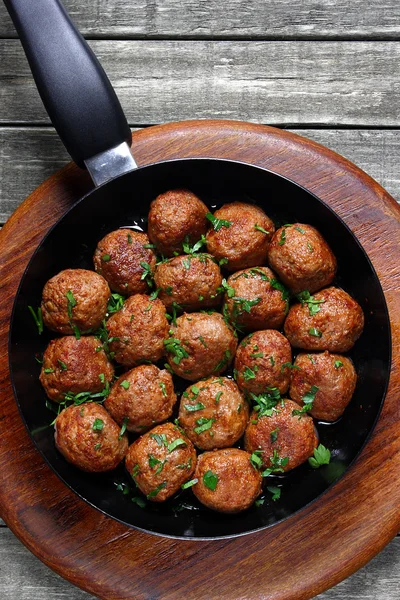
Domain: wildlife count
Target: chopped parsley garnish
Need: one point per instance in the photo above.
(308, 400)
(160, 438)
(223, 261)
(265, 403)
(257, 355)
(98, 425)
(275, 491)
(338, 363)
(299, 229)
(47, 371)
(149, 246)
(217, 223)
(129, 238)
(225, 287)
(155, 462)
(210, 480)
(115, 303)
(123, 427)
(258, 228)
(186, 263)
(163, 388)
(125, 384)
(256, 271)
(147, 274)
(224, 362)
(277, 464)
(311, 249)
(248, 374)
(313, 304)
(154, 294)
(196, 247)
(218, 397)
(288, 365)
(283, 237)
(175, 307)
(194, 407)
(71, 302)
(277, 285)
(174, 346)
(274, 435)
(315, 332)
(102, 377)
(176, 444)
(322, 456)
(259, 502)
(203, 425)
(189, 484)
(135, 470)
(311, 359)
(201, 340)
(157, 490)
(141, 502)
(38, 318)
(271, 358)
(97, 446)
(106, 258)
(256, 459)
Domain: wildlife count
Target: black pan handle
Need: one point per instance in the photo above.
(75, 90)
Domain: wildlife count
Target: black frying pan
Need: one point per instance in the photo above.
(90, 121)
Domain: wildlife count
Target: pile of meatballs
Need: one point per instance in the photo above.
(195, 295)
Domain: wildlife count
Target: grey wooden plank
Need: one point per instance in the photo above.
(290, 83)
(24, 577)
(29, 155)
(255, 18)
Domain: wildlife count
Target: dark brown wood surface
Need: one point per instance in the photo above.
(294, 560)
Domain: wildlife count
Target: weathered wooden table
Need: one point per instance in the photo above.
(326, 70)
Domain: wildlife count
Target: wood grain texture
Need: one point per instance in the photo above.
(242, 18)
(26, 578)
(24, 166)
(112, 561)
(289, 83)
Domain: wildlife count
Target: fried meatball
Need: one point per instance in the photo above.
(176, 216)
(200, 345)
(213, 413)
(263, 360)
(75, 298)
(255, 299)
(335, 327)
(160, 461)
(193, 282)
(142, 398)
(282, 436)
(241, 238)
(88, 438)
(120, 257)
(227, 481)
(138, 330)
(71, 365)
(302, 258)
(334, 376)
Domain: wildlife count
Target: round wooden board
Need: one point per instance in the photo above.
(294, 560)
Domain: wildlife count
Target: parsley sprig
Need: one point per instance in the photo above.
(308, 400)
(313, 304)
(173, 346)
(322, 456)
(217, 223)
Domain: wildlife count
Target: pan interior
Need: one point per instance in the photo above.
(125, 202)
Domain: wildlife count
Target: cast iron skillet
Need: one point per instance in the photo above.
(90, 121)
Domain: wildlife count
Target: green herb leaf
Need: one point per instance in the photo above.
(71, 302)
(147, 274)
(38, 318)
(160, 438)
(102, 377)
(283, 237)
(125, 384)
(98, 425)
(194, 407)
(288, 365)
(210, 480)
(157, 490)
(123, 427)
(256, 459)
(189, 484)
(217, 223)
(248, 374)
(265, 403)
(115, 303)
(174, 346)
(47, 371)
(218, 397)
(258, 228)
(338, 363)
(203, 425)
(225, 287)
(135, 470)
(106, 258)
(141, 502)
(196, 247)
(274, 435)
(176, 444)
(271, 358)
(224, 362)
(322, 456)
(313, 304)
(314, 332)
(308, 400)
(275, 491)
(163, 388)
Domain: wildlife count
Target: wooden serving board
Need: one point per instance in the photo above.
(294, 560)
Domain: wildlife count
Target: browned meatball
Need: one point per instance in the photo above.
(138, 330)
(88, 438)
(176, 216)
(213, 413)
(302, 258)
(193, 282)
(71, 365)
(123, 259)
(334, 376)
(160, 461)
(255, 299)
(284, 440)
(141, 398)
(227, 481)
(244, 236)
(263, 360)
(336, 326)
(75, 298)
(200, 345)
